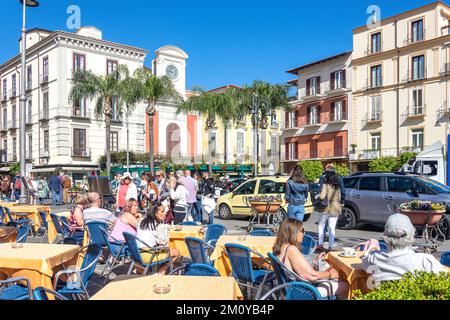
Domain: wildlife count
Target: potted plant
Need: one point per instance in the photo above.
(423, 213)
(265, 204)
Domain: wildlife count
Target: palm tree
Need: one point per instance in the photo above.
(104, 90)
(154, 90)
(214, 106)
(130, 94)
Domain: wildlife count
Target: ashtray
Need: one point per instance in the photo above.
(242, 238)
(161, 288)
(17, 245)
(178, 228)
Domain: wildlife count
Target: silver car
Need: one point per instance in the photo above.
(373, 197)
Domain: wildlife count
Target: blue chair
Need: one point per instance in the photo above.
(294, 291)
(261, 233)
(132, 244)
(62, 236)
(309, 245)
(383, 247)
(15, 289)
(41, 294)
(95, 233)
(284, 275)
(22, 235)
(188, 223)
(79, 278)
(11, 221)
(199, 250)
(44, 223)
(118, 251)
(243, 271)
(445, 259)
(196, 269)
(76, 233)
(214, 232)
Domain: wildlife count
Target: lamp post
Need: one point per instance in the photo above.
(23, 100)
(255, 113)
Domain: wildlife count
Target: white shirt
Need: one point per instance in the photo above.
(153, 238)
(393, 265)
(179, 196)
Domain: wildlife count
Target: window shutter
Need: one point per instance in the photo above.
(344, 78)
(296, 150)
(319, 108)
(318, 85)
(286, 119)
(308, 115)
(287, 151)
(308, 87)
(332, 111)
(297, 114)
(333, 79)
(344, 110)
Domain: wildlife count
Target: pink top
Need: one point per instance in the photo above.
(120, 228)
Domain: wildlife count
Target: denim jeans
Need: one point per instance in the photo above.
(56, 197)
(17, 194)
(211, 217)
(198, 211)
(296, 212)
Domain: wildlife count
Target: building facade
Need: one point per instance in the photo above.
(61, 134)
(400, 84)
(317, 128)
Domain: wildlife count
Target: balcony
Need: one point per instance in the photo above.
(415, 38)
(416, 112)
(4, 127)
(81, 114)
(336, 87)
(12, 94)
(312, 93)
(419, 76)
(445, 30)
(313, 122)
(44, 114)
(374, 84)
(29, 85)
(445, 70)
(372, 50)
(43, 79)
(77, 153)
(13, 158)
(4, 97)
(373, 118)
(29, 119)
(444, 111)
(339, 117)
(324, 154)
(13, 125)
(44, 154)
(3, 156)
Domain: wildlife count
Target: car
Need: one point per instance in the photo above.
(373, 197)
(234, 204)
(236, 183)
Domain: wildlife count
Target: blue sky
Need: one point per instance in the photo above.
(229, 42)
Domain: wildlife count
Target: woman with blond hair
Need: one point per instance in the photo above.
(76, 221)
(288, 249)
(178, 194)
(127, 221)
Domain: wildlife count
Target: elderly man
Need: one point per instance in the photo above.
(192, 199)
(399, 236)
(192, 193)
(95, 212)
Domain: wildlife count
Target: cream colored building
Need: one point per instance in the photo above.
(401, 83)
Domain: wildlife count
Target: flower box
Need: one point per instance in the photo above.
(424, 217)
(265, 207)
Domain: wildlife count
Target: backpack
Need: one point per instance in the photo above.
(17, 184)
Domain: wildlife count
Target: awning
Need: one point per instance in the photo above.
(5, 169)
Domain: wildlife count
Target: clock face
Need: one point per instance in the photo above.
(172, 72)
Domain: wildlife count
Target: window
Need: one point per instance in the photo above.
(46, 141)
(240, 143)
(417, 138)
(313, 115)
(399, 184)
(292, 119)
(418, 68)
(212, 144)
(376, 43)
(79, 108)
(114, 142)
(417, 99)
(350, 183)
(14, 85)
(375, 77)
(30, 112)
(314, 86)
(273, 146)
(337, 80)
(370, 184)
(271, 187)
(29, 78)
(45, 105)
(376, 108)
(273, 119)
(417, 32)
(79, 62)
(45, 69)
(79, 142)
(115, 109)
(246, 188)
(111, 66)
(338, 111)
(5, 150)
(30, 147)
(376, 141)
(14, 151)
(5, 118)
(292, 150)
(5, 88)
(14, 117)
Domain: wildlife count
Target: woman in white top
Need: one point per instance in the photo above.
(178, 194)
(155, 233)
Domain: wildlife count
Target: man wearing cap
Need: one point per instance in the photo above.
(399, 236)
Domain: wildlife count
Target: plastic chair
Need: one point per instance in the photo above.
(71, 232)
(188, 223)
(132, 244)
(214, 232)
(12, 289)
(261, 233)
(65, 238)
(22, 235)
(199, 250)
(79, 278)
(243, 271)
(41, 294)
(445, 259)
(11, 221)
(117, 252)
(294, 291)
(43, 217)
(309, 245)
(95, 234)
(196, 269)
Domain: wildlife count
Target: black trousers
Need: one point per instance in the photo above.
(179, 214)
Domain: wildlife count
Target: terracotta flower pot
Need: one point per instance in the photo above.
(263, 207)
(422, 218)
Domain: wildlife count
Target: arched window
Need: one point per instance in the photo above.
(173, 140)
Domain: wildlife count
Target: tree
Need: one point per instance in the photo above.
(155, 90)
(214, 106)
(388, 164)
(342, 170)
(312, 169)
(104, 90)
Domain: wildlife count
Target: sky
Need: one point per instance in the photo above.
(229, 42)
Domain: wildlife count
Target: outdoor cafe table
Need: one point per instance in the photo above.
(181, 288)
(36, 262)
(176, 238)
(32, 212)
(52, 234)
(8, 234)
(263, 245)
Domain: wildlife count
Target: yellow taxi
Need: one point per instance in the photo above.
(234, 203)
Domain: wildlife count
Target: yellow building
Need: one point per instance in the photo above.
(235, 143)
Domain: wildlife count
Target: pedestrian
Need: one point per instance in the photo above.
(5, 187)
(163, 191)
(42, 190)
(67, 184)
(331, 194)
(150, 194)
(16, 185)
(61, 188)
(179, 195)
(198, 204)
(127, 191)
(297, 194)
(32, 187)
(191, 186)
(208, 201)
(116, 183)
(54, 185)
(330, 168)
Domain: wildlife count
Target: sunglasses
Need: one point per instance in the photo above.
(158, 176)
(303, 230)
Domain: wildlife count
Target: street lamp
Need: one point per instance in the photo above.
(255, 113)
(23, 100)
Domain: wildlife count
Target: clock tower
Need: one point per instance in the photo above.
(170, 61)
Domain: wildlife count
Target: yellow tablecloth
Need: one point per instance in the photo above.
(350, 270)
(37, 262)
(32, 212)
(176, 238)
(52, 234)
(222, 263)
(8, 234)
(182, 288)
(9, 204)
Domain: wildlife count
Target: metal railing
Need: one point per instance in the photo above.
(445, 68)
(416, 111)
(79, 153)
(44, 154)
(374, 117)
(336, 117)
(415, 37)
(372, 50)
(412, 76)
(44, 114)
(12, 93)
(43, 79)
(13, 124)
(81, 113)
(4, 96)
(29, 85)
(3, 156)
(336, 85)
(373, 84)
(313, 121)
(324, 154)
(445, 30)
